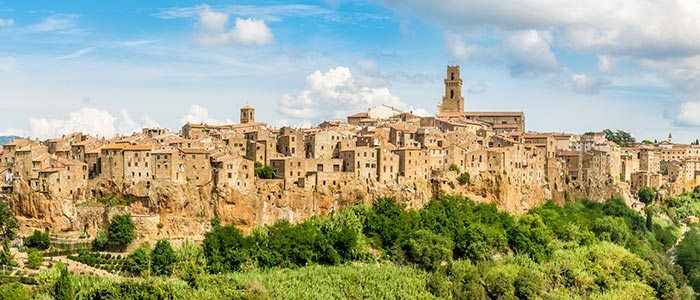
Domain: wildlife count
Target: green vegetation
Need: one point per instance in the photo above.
(121, 231)
(100, 242)
(688, 257)
(8, 222)
(622, 138)
(162, 258)
(38, 240)
(453, 168)
(646, 195)
(34, 259)
(263, 172)
(463, 178)
(115, 201)
(680, 207)
(453, 248)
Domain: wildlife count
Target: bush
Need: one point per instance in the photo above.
(528, 284)
(139, 261)
(100, 242)
(63, 288)
(463, 178)
(14, 291)
(646, 194)
(263, 172)
(34, 259)
(38, 240)
(162, 258)
(121, 231)
(453, 168)
(428, 250)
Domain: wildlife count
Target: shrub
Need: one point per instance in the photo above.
(453, 168)
(646, 194)
(34, 259)
(528, 284)
(463, 178)
(428, 250)
(139, 261)
(100, 242)
(162, 258)
(63, 288)
(39, 240)
(263, 171)
(121, 231)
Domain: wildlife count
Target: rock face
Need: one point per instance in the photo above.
(184, 210)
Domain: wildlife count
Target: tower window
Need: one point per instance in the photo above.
(452, 76)
(452, 94)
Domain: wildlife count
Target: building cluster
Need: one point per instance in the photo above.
(382, 145)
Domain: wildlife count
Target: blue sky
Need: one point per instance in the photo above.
(110, 67)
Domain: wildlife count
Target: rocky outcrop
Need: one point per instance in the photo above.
(184, 211)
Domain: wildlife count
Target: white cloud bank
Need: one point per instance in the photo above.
(247, 32)
(87, 120)
(6, 23)
(585, 84)
(200, 115)
(336, 94)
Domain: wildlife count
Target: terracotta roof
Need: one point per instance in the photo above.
(359, 115)
(138, 148)
(50, 170)
(194, 150)
(114, 147)
(494, 113)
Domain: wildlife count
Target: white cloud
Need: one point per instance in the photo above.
(530, 54)
(61, 23)
(459, 48)
(7, 23)
(335, 95)
(13, 132)
(198, 115)
(585, 84)
(77, 53)
(689, 113)
(86, 120)
(605, 63)
(248, 32)
(136, 43)
(476, 88)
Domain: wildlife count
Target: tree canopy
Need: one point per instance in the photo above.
(620, 137)
(121, 231)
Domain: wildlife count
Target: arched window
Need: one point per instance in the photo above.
(452, 76)
(452, 94)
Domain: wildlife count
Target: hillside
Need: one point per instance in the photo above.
(8, 138)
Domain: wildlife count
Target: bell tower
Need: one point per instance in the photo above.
(247, 115)
(453, 101)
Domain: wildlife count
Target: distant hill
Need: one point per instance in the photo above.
(8, 138)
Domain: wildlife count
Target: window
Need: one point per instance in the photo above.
(452, 94)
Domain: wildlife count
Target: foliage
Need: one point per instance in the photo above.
(14, 291)
(162, 258)
(622, 138)
(113, 201)
(121, 231)
(463, 178)
(6, 257)
(140, 260)
(8, 222)
(428, 250)
(646, 194)
(34, 259)
(453, 168)
(688, 257)
(263, 171)
(63, 288)
(38, 240)
(100, 242)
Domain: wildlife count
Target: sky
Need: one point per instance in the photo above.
(112, 67)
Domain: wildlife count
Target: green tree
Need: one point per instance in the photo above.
(646, 194)
(688, 257)
(223, 249)
(8, 222)
(528, 284)
(162, 258)
(6, 257)
(263, 171)
(428, 250)
(622, 138)
(39, 240)
(34, 259)
(139, 262)
(121, 231)
(532, 237)
(100, 242)
(63, 289)
(463, 178)
(453, 168)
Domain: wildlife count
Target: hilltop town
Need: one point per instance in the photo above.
(250, 173)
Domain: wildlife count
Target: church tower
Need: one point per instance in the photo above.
(452, 102)
(247, 115)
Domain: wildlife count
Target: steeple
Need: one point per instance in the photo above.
(452, 101)
(670, 138)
